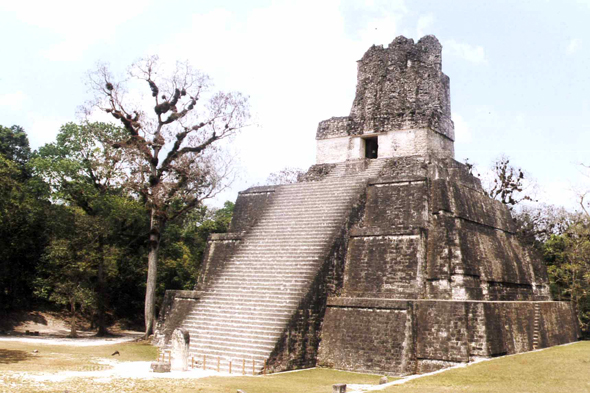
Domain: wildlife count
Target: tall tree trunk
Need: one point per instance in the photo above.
(73, 320)
(102, 329)
(156, 226)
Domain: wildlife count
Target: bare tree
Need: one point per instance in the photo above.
(508, 185)
(175, 157)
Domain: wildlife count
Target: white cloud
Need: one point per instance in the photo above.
(13, 101)
(572, 46)
(462, 129)
(425, 22)
(471, 53)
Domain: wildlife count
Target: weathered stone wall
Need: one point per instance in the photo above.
(412, 141)
(400, 337)
(392, 143)
(470, 247)
(558, 323)
(428, 231)
(367, 339)
(400, 87)
(388, 266)
(396, 204)
(403, 97)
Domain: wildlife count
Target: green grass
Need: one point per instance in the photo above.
(18, 356)
(307, 381)
(564, 369)
(560, 369)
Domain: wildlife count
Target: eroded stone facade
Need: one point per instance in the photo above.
(402, 99)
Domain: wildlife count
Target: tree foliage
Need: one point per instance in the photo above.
(23, 208)
(84, 173)
(68, 273)
(184, 243)
(14, 145)
(568, 263)
(538, 223)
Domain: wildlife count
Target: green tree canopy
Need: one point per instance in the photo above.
(23, 210)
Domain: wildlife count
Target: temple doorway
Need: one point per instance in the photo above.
(371, 147)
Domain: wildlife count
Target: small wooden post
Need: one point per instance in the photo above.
(230, 366)
(253, 368)
(218, 361)
(264, 368)
(193, 362)
(169, 356)
(243, 366)
(204, 362)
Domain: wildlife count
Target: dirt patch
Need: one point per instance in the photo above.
(52, 324)
(8, 356)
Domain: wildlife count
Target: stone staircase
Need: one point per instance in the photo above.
(245, 310)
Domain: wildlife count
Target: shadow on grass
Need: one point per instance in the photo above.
(8, 356)
(10, 321)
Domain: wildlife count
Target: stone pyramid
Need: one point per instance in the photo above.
(387, 256)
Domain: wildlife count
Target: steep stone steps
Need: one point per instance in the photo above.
(245, 310)
(259, 328)
(230, 287)
(293, 268)
(284, 297)
(219, 325)
(280, 314)
(250, 344)
(254, 307)
(236, 318)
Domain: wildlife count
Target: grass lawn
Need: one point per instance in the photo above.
(19, 356)
(306, 381)
(561, 369)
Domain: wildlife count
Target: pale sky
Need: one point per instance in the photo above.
(520, 70)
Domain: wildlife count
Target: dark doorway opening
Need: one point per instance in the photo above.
(371, 147)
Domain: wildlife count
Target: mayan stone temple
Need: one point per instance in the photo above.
(386, 256)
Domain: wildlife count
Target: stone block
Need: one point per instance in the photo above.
(160, 367)
(339, 388)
